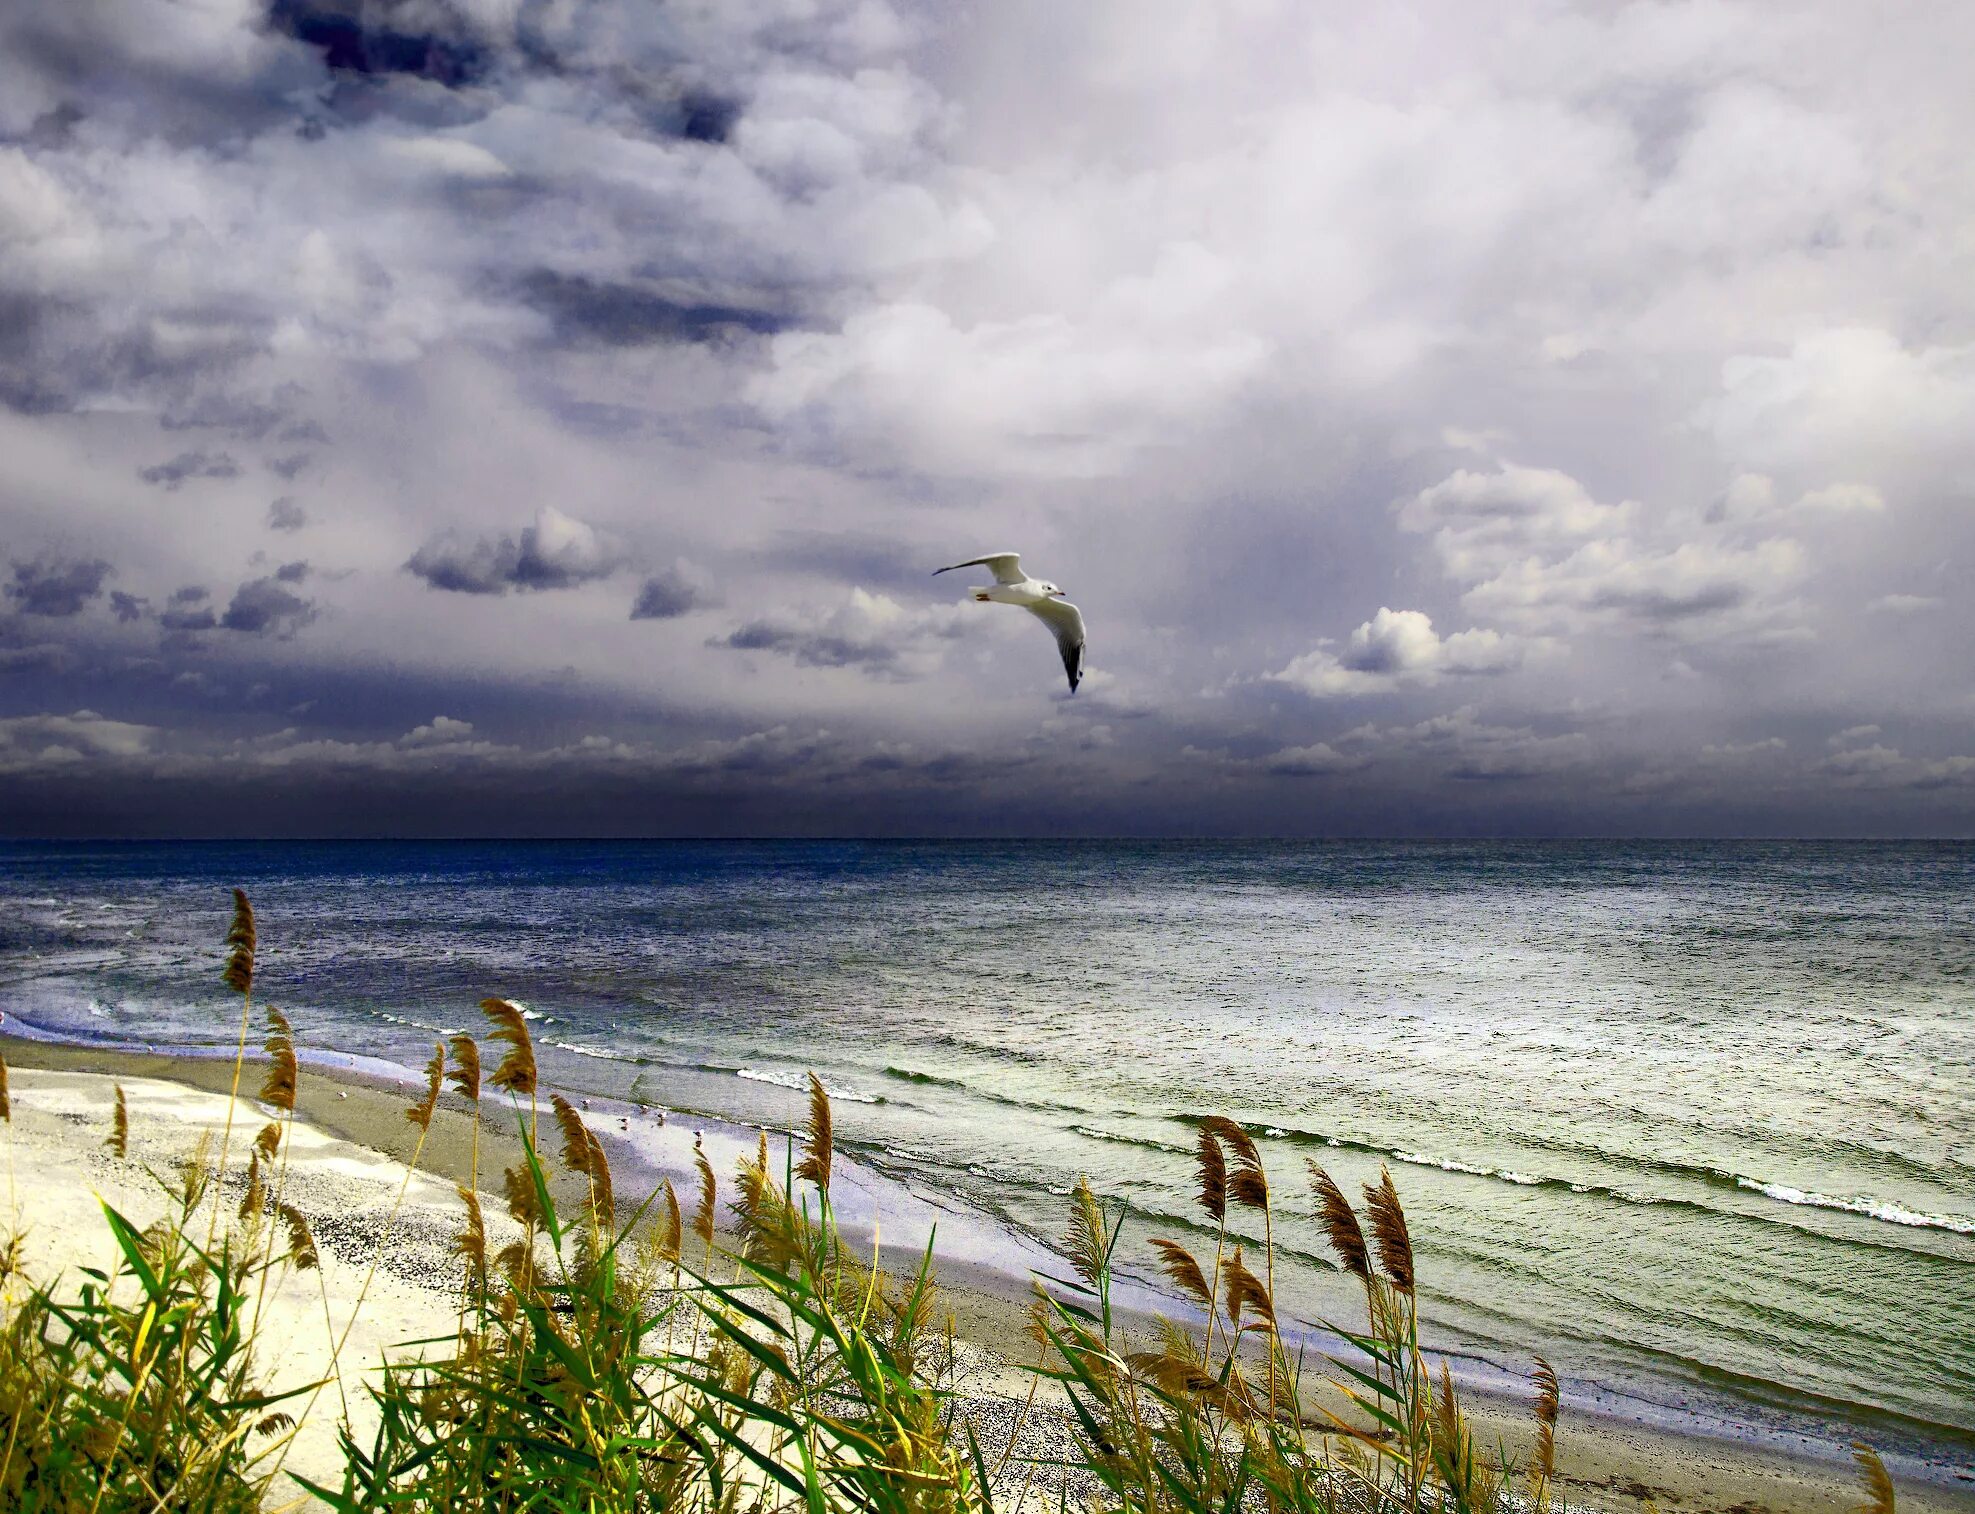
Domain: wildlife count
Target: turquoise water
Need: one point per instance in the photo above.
(1697, 1121)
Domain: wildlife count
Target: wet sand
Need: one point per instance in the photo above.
(361, 1141)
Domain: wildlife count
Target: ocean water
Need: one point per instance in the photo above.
(1697, 1121)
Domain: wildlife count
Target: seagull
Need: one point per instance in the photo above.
(1039, 597)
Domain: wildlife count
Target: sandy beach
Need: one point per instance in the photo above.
(349, 1151)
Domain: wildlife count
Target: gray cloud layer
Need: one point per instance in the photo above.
(1552, 419)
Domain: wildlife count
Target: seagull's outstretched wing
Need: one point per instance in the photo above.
(1005, 566)
(1067, 621)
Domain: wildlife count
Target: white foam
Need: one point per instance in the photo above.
(1448, 1164)
(1878, 1209)
(591, 1051)
(801, 1085)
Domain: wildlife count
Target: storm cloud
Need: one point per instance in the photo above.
(557, 552)
(55, 588)
(176, 472)
(677, 590)
(1553, 419)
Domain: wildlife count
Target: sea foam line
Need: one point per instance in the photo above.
(800, 1085)
(1878, 1209)
(1873, 1209)
(1448, 1164)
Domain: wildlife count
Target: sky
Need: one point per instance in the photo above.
(543, 417)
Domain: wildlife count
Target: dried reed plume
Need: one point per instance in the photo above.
(1543, 1457)
(817, 1138)
(1035, 1324)
(1178, 1265)
(1213, 1176)
(519, 1191)
(1467, 1478)
(515, 1262)
(283, 1074)
(517, 1070)
(1246, 1183)
(195, 1172)
(465, 1075)
(583, 1154)
(1872, 1473)
(1084, 1242)
(239, 974)
(1230, 1134)
(119, 1141)
(6, 1103)
(301, 1241)
(1340, 1222)
(470, 1243)
(703, 1211)
(420, 1114)
(1447, 1428)
(254, 1200)
(672, 1238)
(603, 1196)
(268, 1142)
(575, 1135)
(1246, 1294)
(762, 1213)
(1389, 1233)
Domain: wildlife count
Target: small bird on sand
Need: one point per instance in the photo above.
(1039, 597)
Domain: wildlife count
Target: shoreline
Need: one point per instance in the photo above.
(1605, 1460)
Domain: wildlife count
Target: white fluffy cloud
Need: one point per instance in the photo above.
(1398, 647)
(1535, 551)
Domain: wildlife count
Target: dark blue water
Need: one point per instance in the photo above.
(1691, 1119)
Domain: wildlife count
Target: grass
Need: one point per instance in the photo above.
(619, 1357)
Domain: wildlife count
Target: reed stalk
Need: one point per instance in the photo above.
(238, 975)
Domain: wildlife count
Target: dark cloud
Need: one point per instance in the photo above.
(707, 118)
(286, 515)
(289, 467)
(266, 607)
(762, 636)
(187, 611)
(188, 465)
(557, 552)
(628, 315)
(128, 607)
(292, 572)
(239, 415)
(679, 589)
(425, 39)
(57, 588)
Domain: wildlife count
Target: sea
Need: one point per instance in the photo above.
(1695, 1121)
